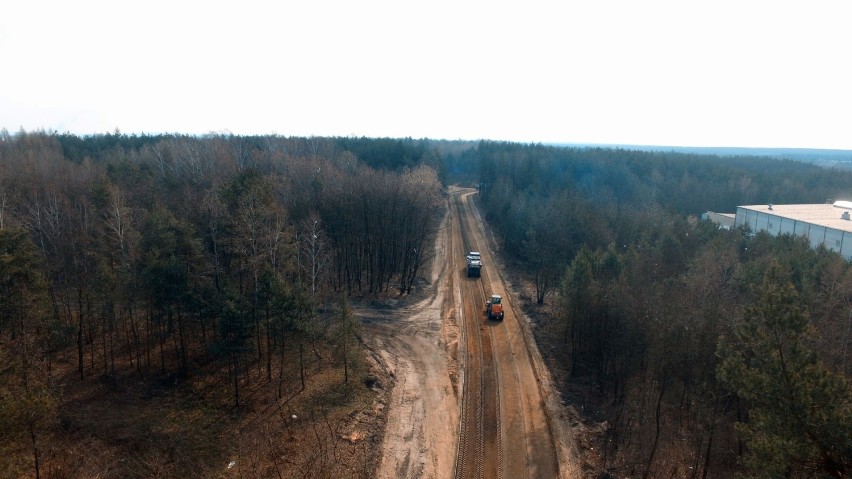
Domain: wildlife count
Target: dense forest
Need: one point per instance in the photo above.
(706, 352)
(222, 264)
(176, 260)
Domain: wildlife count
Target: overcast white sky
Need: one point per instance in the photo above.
(680, 73)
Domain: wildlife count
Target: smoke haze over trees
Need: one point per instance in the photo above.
(159, 258)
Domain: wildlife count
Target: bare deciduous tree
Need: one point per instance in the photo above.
(313, 252)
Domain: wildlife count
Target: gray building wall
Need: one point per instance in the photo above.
(846, 247)
(833, 239)
(788, 226)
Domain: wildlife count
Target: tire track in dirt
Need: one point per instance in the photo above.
(417, 348)
(479, 454)
(470, 397)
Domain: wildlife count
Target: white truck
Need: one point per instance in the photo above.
(474, 264)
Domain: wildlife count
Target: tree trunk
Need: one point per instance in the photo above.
(657, 433)
(302, 363)
(80, 358)
(709, 448)
(268, 347)
(35, 449)
(235, 361)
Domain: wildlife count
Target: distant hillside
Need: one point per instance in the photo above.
(822, 157)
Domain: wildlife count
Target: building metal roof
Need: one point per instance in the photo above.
(828, 215)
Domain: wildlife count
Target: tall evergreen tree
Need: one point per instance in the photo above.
(800, 414)
(27, 398)
(346, 337)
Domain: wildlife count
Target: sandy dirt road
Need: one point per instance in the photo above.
(471, 397)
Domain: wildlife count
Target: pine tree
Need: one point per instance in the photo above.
(347, 336)
(800, 414)
(27, 398)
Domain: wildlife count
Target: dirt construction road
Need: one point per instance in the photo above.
(471, 397)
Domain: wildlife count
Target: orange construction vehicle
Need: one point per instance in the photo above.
(494, 307)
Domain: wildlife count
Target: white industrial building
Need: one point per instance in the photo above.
(724, 220)
(826, 224)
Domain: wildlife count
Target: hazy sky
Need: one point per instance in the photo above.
(685, 73)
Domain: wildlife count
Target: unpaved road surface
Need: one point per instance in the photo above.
(471, 397)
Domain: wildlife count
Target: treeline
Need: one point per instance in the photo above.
(152, 257)
(378, 153)
(707, 352)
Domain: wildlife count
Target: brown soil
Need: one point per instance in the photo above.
(419, 347)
